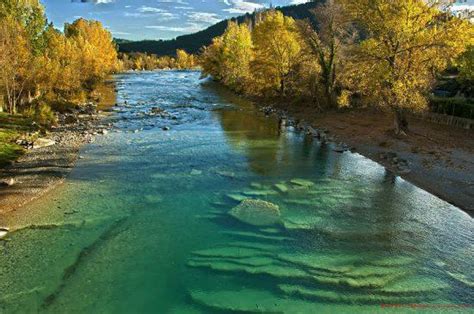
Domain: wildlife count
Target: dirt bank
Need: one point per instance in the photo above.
(440, 158)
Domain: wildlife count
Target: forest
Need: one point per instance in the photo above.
(41, 68)
(383, 54)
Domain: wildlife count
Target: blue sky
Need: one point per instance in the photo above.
(153, 19)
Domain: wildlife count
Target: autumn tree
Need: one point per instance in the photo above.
(278, 47)
(96, 48)
(62, 64)
(184, 60)
(327, 43)
(211, 60)
(237, 54)
(405, 43)
(15, 61)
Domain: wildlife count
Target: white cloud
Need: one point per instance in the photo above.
(204, 17)
(241, 6)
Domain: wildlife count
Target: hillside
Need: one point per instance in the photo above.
(192, 43)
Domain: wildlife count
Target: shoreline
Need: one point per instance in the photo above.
(41, 170)
(436, 158)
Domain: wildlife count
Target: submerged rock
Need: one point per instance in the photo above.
(229, 252)
(260, 193)
(256, 212)
(462, 279)
(228, 174)
(415, 285)
(250, 301)
(302, 182)
(236, 197)
(339, 297)
(196, 172)
(281, 187)
(256, 236)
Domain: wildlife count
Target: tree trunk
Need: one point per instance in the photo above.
(282, 87)
(400, 122)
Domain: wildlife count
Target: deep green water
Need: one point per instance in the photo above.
(142, 223)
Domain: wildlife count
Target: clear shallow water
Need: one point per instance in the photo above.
(142, 224)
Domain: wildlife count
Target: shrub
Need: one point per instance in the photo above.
(455, 106)
(42, 114)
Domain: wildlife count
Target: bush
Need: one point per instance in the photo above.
(455, 106)
(42, 114)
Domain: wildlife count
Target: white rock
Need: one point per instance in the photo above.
(3, 234)
(43, 142)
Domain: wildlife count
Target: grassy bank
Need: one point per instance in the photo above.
(11, 128)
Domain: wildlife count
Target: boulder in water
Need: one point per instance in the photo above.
(256, 212)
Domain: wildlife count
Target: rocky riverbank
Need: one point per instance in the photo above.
(437, 158)
(49, 158)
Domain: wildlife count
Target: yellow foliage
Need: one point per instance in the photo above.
(278, 49)
(237, 54)
(406, 43)
(96, 49)
(15, 62)
(184, 60)
(211, 60)
(61, 64)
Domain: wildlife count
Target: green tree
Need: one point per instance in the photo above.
(29, 14)
(465, 64)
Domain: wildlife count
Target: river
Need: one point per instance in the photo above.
(142, 223)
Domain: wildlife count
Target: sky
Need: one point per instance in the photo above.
(153, 19)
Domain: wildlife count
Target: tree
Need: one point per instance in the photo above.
(15, 61)
(211, 60)
(184, 60)
(97, 50)
(404, 43)
(465, 64)
(61, 64)
(278, 48)
(29, 14)
(334, 32)
(237, 54)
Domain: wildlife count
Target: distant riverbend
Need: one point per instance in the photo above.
(198, 203)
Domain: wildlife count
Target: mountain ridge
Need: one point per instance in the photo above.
(193, 43)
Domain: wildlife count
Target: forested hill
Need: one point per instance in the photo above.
(192, 43)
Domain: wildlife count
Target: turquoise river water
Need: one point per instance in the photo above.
(142, 224)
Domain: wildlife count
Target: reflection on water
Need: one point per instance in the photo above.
(143, 223)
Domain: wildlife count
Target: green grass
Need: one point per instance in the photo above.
(11, 128)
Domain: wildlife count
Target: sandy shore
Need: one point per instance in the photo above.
(440, 158)
(41, 170)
